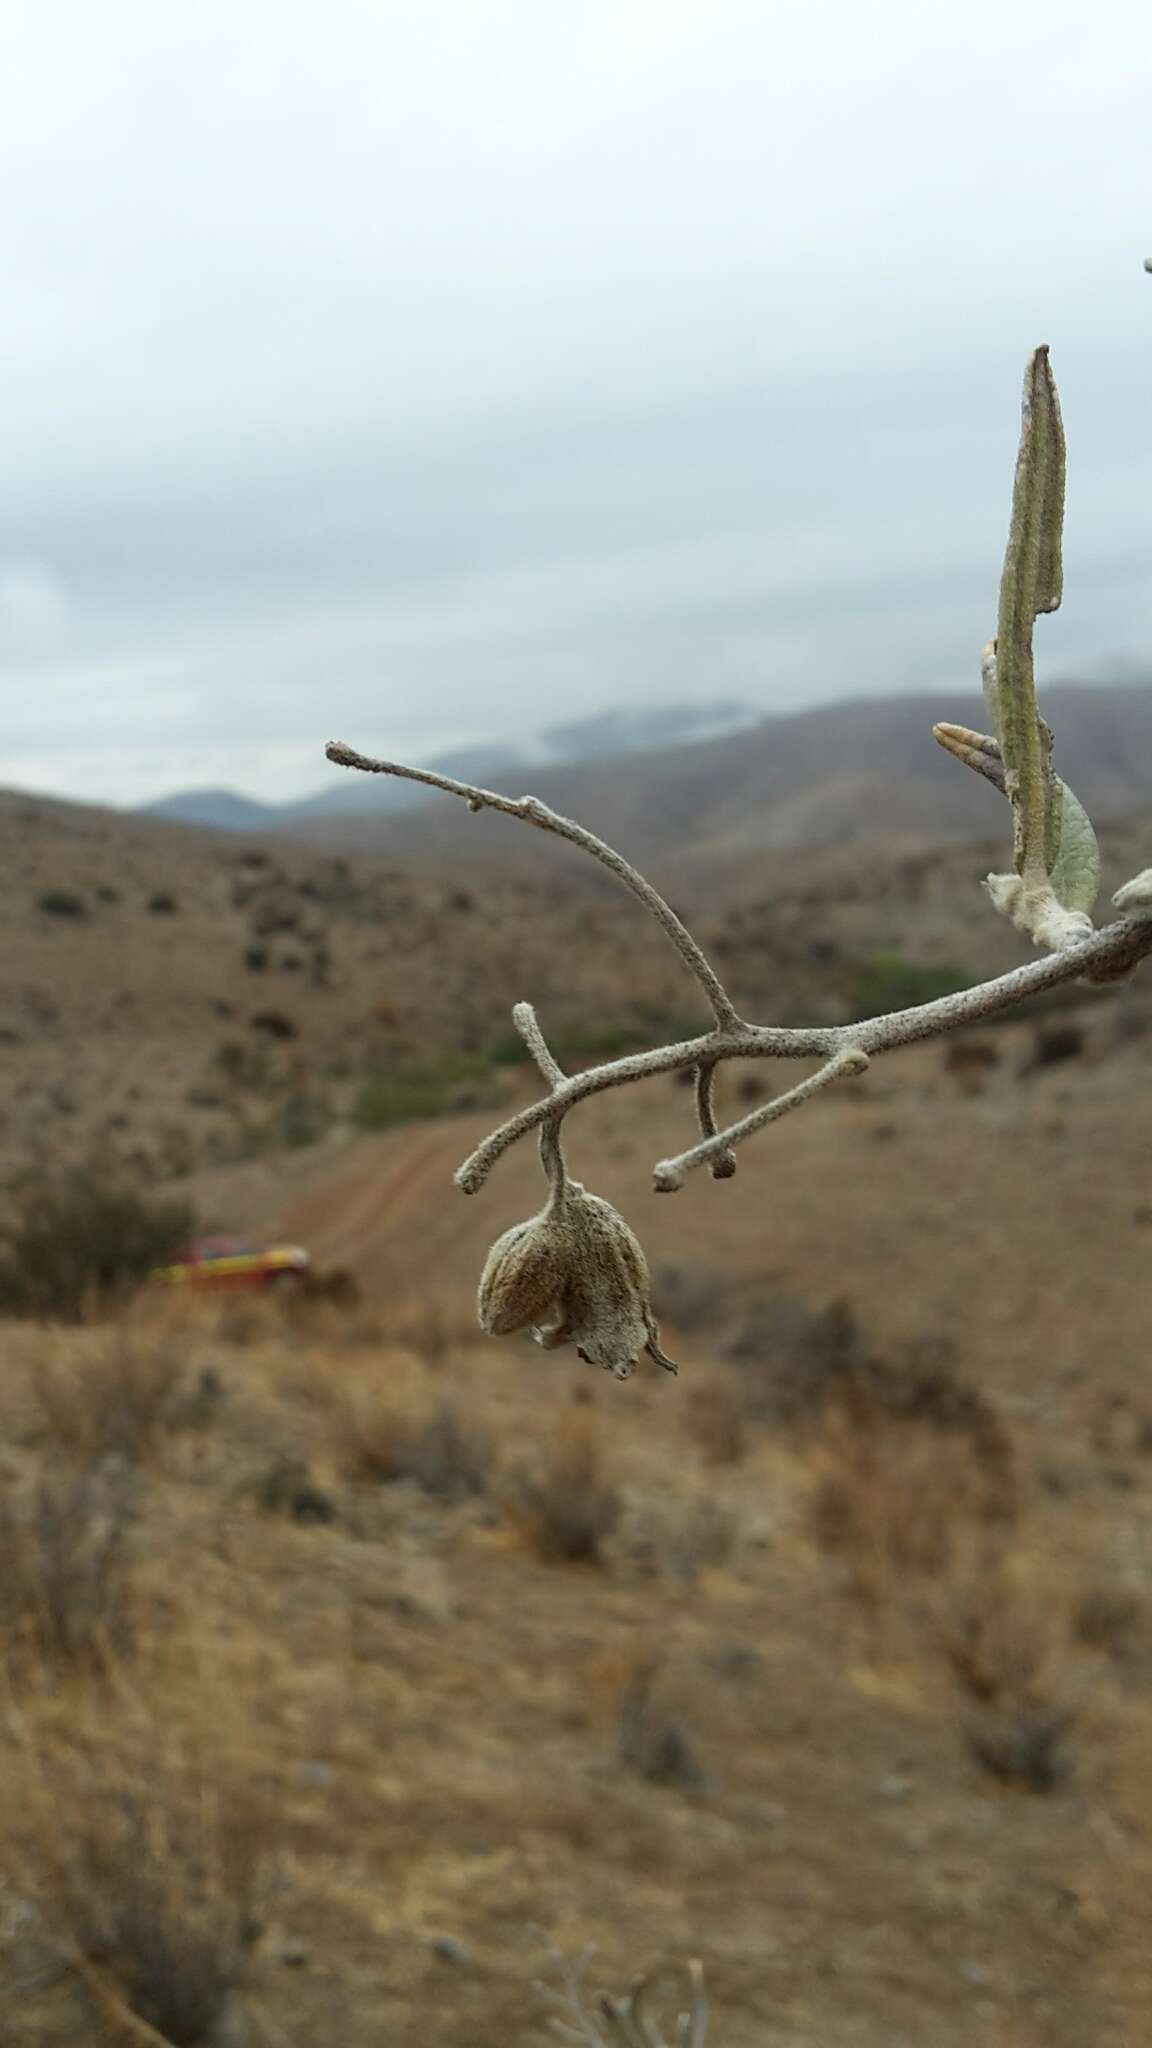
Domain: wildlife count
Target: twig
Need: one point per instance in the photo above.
(1107, 954)
(723, 1163)
(668, 1175)
(551, 1148)
(537, 813)
(524, 1018)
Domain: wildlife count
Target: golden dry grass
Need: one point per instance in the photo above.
(453, 1734)
(704, 1740)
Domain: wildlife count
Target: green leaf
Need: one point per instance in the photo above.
(1032, 583)
(1074, 869)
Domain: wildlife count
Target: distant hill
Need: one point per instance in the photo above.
(221, 809)
(603, 736)
(224, 810)
(180, 999)
(867, 769)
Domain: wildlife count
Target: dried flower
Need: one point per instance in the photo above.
(575, 1274)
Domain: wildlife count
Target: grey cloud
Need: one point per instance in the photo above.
(425, 373)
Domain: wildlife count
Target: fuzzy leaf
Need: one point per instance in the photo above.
(1031, 584)
(1074, 870)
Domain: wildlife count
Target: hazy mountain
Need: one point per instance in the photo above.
(627, 732)
(839, 774)
(223, 809)
(862, 770)
(604, 735)
(352, 797)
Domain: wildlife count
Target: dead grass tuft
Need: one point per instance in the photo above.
(677, 1540)
(649, 1739)
(148, 1877)
(566, 1509)
(386, 1434)
(1005, 1642)
(1110, 1619)
(66, 1594)
(915, 1474)
(112, 1402)
(715, 1418)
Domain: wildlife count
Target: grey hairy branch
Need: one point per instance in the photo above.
(578, 1260)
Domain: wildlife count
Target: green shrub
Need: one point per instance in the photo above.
(62, 903)
(79, 1241)
(412, 1089)
(420, 1088)
(888, 982)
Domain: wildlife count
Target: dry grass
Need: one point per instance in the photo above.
(1008, 1645)
(67, 1591)
(716, 1421)
(650, 1739)
(675, 1540)
(416, 1680)
(915, 1476)
(147, 1865)
(566, 1507)
(115, 1399)
(386, 1433)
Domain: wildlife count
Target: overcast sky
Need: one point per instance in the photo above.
(410, 371)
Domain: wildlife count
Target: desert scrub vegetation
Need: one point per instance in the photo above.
(888, 981)
(67, 1591)
(650, 2015)
(146, 1866)
(81, 1244)
(910, 1475)
(415, 1089)
(116, 1398)
(564, 1504)
(575, 1273)
(385, 1434)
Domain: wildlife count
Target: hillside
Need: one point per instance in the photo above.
(864, 770)
(348, 1652)
(828, 1662)
(176, 998)
(600, 736)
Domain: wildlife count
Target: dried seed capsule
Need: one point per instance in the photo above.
(575, 1274)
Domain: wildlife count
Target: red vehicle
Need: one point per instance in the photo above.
(228, 1262)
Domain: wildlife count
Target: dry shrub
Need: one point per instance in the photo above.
(1110, 1619)
(970, 1058)
(385, 1435)
(247, 1318)
(691, 1298)
(1005, 1643)
(66, 1593)
(148, 1880)
(286, 1487)
(715, 1419)
(83, 1240)
(790, 1358)
(115, 1401)
(566, 1508)
(677, 1539)
(1025, 1746)
(334, 1285)
(434, 1328)
(649, 1740)
(1001, 1638)
(915, 1475)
